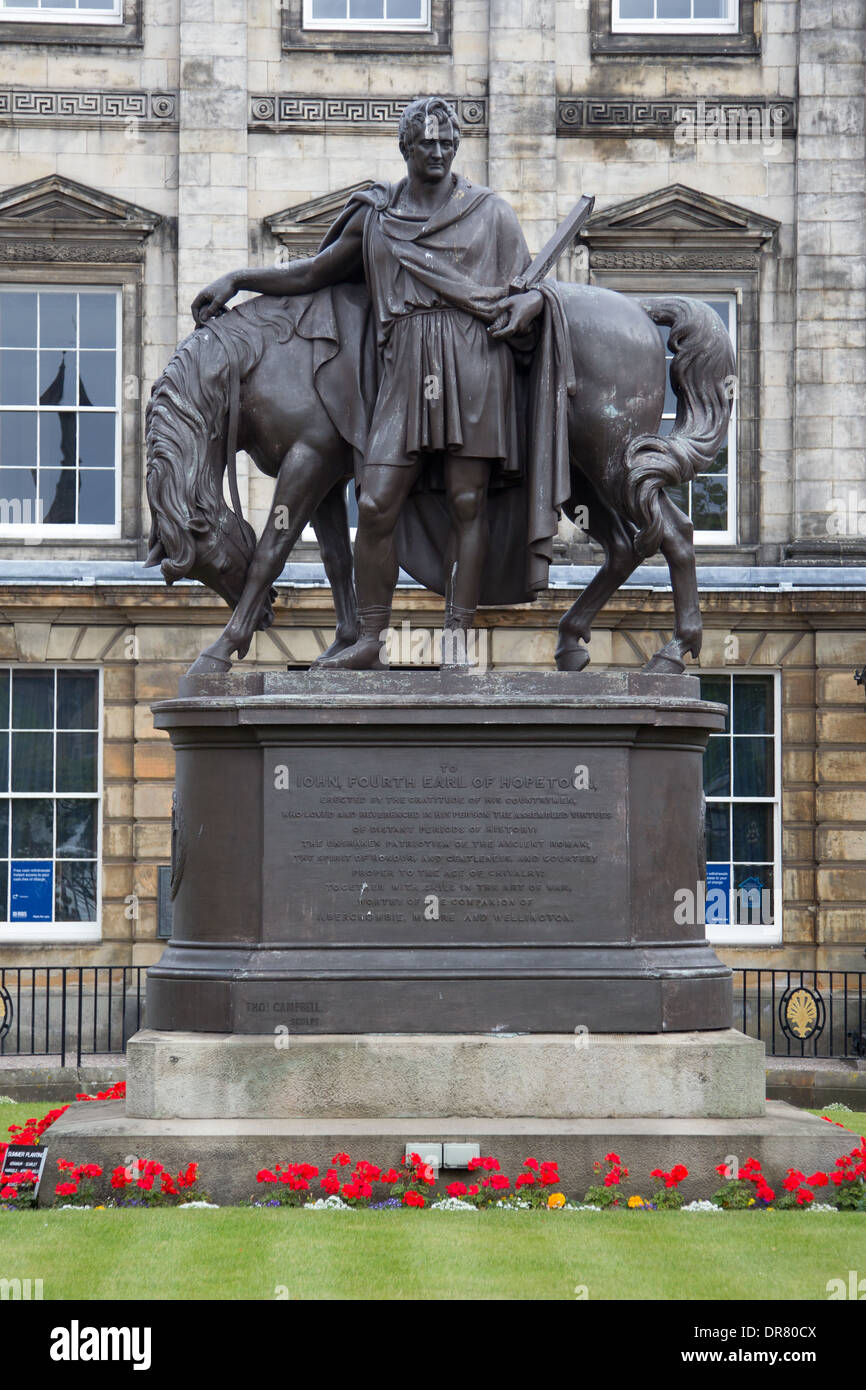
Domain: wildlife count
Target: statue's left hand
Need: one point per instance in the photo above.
(516, 314)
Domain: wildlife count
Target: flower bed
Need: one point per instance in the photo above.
(348, 1184)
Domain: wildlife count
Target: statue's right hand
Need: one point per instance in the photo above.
(212, 299)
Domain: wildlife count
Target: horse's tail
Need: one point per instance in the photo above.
(702, 375)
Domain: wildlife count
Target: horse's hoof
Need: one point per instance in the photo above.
(571, 658)
(659, 665)
(205, 665)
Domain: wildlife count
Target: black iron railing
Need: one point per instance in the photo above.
(69, 1011)
(803, 1013)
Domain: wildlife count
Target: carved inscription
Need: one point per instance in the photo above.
(443, 846)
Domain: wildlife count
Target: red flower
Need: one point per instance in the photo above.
(679, 1172)
(456, 1189)
(413, 1199)
(531, 1163)
(145, 1183)
(474, 1190)
(264, 1175)
(804, 1197)
(817, 1180)
(7, 1192)
(91, 1170)
(613, 1158)
(342, 1159)
(66, 1189)
(657, 1173)
(391, 1176)
(120, 1178)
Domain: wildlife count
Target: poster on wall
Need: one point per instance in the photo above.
(31, 891)
(718, 895)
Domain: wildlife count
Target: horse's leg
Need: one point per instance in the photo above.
(619, 562)
(306, 475)
(679, 551)
(331, 524)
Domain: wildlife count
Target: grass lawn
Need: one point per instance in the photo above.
(238, 1253)
(242, 1253)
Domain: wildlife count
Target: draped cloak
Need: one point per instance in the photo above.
(443, 386)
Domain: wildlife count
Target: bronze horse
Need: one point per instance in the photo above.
(257, 379)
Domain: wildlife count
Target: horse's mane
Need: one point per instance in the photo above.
(186, 415)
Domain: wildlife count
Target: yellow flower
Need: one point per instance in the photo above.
(556, 1199)
(751, 1201)
(99, 1208)
(635, 1201)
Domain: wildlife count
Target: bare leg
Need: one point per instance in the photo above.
(304, 478)
(330, 522)
(466, 482)
(679, 551)
(384, 489)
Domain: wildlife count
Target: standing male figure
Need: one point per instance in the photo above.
(439, 255)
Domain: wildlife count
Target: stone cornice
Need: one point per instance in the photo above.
(346, 114)
(87, 108)
(624, 116)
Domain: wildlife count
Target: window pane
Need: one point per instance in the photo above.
(96, 497)
(32, 829)
(32, 762)
(4, 829)
(4, 699)
(17, 320)
(17, 377)
(76, 762)
(753, 705)
(75, 892)
(96, 378)
(711, 9)
(76, 829)
(96, 440)
(679, 495)
(18, 496)
(98, 319)
(720, 462)
(753, 766)
(718, 832)
(32, 699)
(673, 9)
(76, 700)
(717, 689)
(329, 9)
(4, 762)
(57, 439)
(56, 378)
(717, 767)
(57, 319)
(18, 438)
(404, 9)
(710, 503)
(366, 9)
(4, 890)
(57, 487)
(753, 899)
(635, 9)
(753, 832)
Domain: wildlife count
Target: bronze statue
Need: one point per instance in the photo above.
(469, 410)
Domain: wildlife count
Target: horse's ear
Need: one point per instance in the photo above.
(155, 554)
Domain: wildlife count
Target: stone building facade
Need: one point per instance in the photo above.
(146, 147)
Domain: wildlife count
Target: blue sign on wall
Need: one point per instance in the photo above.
(718, 907)
(31, 891)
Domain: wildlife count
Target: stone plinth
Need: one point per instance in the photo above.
(437, 853)
(231, 1151)
(656, 1076)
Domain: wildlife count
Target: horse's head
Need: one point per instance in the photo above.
(218, 558)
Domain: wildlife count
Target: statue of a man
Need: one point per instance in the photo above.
(439, 254)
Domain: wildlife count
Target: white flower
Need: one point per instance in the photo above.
(333, 1203)
(700, 1206)
(819, 1206)
(452, 1204)
(212, 1206)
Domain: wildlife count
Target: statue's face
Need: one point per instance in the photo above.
(431, 154)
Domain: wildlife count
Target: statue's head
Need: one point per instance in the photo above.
(429, 135)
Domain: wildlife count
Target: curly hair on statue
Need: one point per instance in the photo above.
(417, 117)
